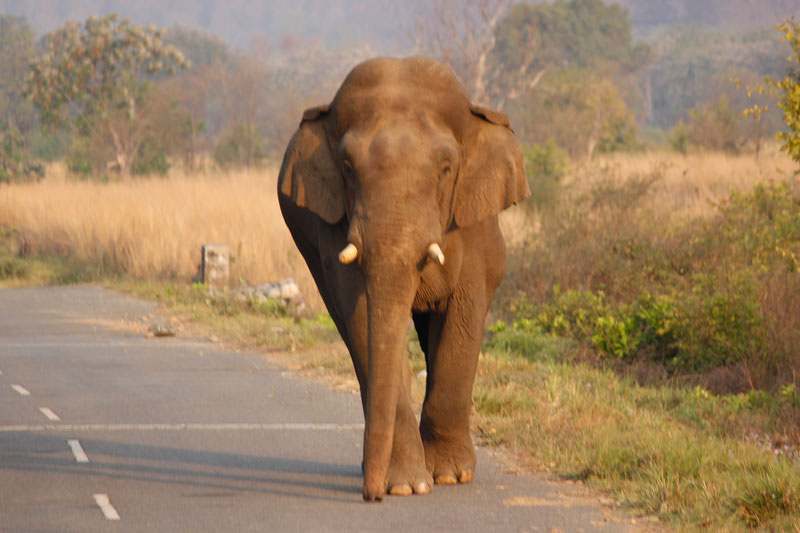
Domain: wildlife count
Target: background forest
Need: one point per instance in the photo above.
(585, 75)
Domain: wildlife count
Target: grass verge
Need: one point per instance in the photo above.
(692, 459)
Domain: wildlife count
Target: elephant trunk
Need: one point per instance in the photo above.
(390, 294)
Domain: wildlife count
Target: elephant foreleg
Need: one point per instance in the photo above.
(338, 285)
(454, 342)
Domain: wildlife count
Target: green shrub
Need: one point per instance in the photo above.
(150, 159)
(545, 166)
(657, 318)
(267, 307)
(240, 146)
(572, 313)
(679, 137)
(87, 160)
(763, 226)
(15, 162)
(693, 296)
(12, 267)
(80, 157)
(49, 146)
(616, 336)
(706, 328)
(718, 326)
(524, 337)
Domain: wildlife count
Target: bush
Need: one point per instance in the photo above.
(693, 297)
(525, 338)
(718, 326)
(87, 160)
(545, 166)
(80, 157)
(679, 137)
(49, 146)
(15, 162)
(150, 159)
(242, 145)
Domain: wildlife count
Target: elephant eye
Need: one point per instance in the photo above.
(348, 167)
(446, 168)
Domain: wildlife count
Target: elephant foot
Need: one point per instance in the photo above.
(407, 474)
(450, 463)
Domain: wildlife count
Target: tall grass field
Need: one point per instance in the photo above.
(154, 228)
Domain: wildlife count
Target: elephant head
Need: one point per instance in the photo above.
(400, 159)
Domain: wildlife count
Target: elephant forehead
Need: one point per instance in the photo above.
(414, 72)
(394, 143)
(398, 87)
(413, 137)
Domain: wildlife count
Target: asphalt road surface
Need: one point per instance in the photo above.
(102, 429)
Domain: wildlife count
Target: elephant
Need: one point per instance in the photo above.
(391, 194)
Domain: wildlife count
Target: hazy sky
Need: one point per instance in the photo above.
(384, 24)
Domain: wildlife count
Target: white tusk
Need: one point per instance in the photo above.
(349, 254)
(435, 253)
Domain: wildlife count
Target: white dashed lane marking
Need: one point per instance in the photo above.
(22, 390)
(104, 503)
(77, 451)
(46, 411)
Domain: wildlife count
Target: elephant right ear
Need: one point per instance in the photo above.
(309, 175)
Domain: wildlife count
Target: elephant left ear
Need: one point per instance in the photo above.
(492, 176)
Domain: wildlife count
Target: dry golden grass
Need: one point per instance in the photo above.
(154, 228)
(689, 185)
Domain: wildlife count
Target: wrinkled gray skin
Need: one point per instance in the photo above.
(398, 161)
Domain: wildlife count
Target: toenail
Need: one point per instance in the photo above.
(446, 479)
(401, 489)
(422, 488)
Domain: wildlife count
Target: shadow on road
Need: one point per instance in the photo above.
(167, 465)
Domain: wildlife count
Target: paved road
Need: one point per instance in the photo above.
(102, 429)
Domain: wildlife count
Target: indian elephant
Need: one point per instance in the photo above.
(391, 194)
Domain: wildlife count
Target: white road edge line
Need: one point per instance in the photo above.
(77, 451)
(104, 503)
(22, 390)
(182, 427)
(46, 411)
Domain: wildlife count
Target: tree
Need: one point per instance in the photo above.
(304, 74)
(716, 126)
(199, 91)
(95, 77)
(693, 65)
(16, 52)
(582, 111)
(245, 99)
(787, 90)
(17, 117)
(462, 35)
(572, 59)
(535, 39)
(202, 49)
